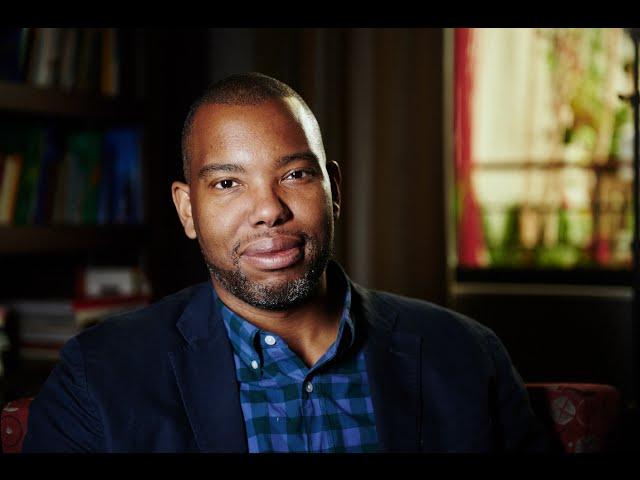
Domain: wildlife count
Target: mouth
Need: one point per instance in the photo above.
(275, 260)
(274, 253)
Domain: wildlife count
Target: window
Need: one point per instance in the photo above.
(543, 148)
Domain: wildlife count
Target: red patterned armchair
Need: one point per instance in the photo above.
(581, 418)
(13, 424)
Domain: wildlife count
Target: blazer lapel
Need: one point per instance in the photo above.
(393, 367)
(205, 372)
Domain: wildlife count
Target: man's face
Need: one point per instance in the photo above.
(261, 201)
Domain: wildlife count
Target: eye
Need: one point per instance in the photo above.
(224, 184)
(299, 174)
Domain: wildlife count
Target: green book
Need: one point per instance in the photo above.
(26, 141)
(60, 196)
(85, 148)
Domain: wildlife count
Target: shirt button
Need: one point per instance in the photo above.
(269, 340)
(254, 364)
(308, 387)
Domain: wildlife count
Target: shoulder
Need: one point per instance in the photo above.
(430, 320)
(448, 338)
(154, 325)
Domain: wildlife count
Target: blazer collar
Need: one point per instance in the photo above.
(393, 360)
(198, 320)
(205, 374)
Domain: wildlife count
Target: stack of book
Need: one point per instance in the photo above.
(46, 325)
(87, 177)
(70, 59)
(10, 169)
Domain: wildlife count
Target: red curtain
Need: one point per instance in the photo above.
(470, 236)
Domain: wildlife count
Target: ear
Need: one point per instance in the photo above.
(335, 178)
(181, 199)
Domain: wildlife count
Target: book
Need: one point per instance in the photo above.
(95, 62)
(85, 38)
(81, 177)
(61, 192)
(28, 143)
(84, 148)
(10, 61)
(96, 282)
(90, 212)
(11, 166)
(89, 60)
(45, 65)
(72, 191)
(122, 146)
(15, 47)
(109, 80)
(34, 55)
(68, 59)
(106, 199)
(26, 49)
(51, 159)
(44, 326)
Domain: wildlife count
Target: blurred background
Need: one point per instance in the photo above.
(487, 170)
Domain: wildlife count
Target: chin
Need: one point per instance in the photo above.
(280, 275)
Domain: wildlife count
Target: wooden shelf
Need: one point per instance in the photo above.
(29, 99)
(52, 239)
(596, 275)
(609, 166)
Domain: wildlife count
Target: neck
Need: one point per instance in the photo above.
(308, 329)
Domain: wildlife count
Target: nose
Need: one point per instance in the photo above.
(268, 208)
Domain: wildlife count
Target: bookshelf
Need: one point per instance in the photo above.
(60, 239)
(41, 257)
(26, 99)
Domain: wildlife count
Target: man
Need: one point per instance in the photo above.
(280, 351)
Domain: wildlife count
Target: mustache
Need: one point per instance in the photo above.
(273, 233)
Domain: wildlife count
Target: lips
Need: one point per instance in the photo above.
(274, 253)
(272, 245)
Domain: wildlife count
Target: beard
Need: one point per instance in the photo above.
(284, 295)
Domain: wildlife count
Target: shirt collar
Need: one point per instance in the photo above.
(245, 336)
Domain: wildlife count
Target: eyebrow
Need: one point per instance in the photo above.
(308, 155)
(212, 168)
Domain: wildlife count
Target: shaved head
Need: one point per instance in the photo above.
(249, 89)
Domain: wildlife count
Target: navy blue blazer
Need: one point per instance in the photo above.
(162, 379)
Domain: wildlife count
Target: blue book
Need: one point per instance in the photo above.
(84, 148)
(122, 147)
(72, 192)
(10, 58)
(51, 158)
(106, 200)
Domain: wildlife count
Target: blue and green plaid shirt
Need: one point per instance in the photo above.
(289, 407)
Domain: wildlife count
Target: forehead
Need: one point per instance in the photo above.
(274, 126)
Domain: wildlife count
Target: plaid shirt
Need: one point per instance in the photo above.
(289, 407)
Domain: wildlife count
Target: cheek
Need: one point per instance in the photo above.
(313, 211)
(313, 198)
(216, 226)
